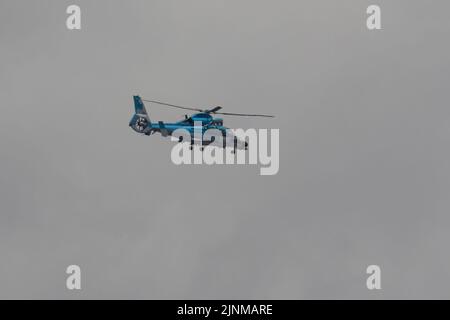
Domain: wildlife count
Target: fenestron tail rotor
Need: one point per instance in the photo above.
(210, 111)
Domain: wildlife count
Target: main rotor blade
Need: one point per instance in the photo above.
(245, 115)
(214, 110)
(172, 105)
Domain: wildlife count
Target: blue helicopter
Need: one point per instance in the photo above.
(198, 123)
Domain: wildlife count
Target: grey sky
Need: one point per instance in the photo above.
(364, 165)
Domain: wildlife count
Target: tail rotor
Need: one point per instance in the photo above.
(140, 122)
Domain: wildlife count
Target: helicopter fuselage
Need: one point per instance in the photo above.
(202, 128)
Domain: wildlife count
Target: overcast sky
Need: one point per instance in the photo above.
(364, 153)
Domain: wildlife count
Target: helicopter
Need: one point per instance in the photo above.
(199, 123)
